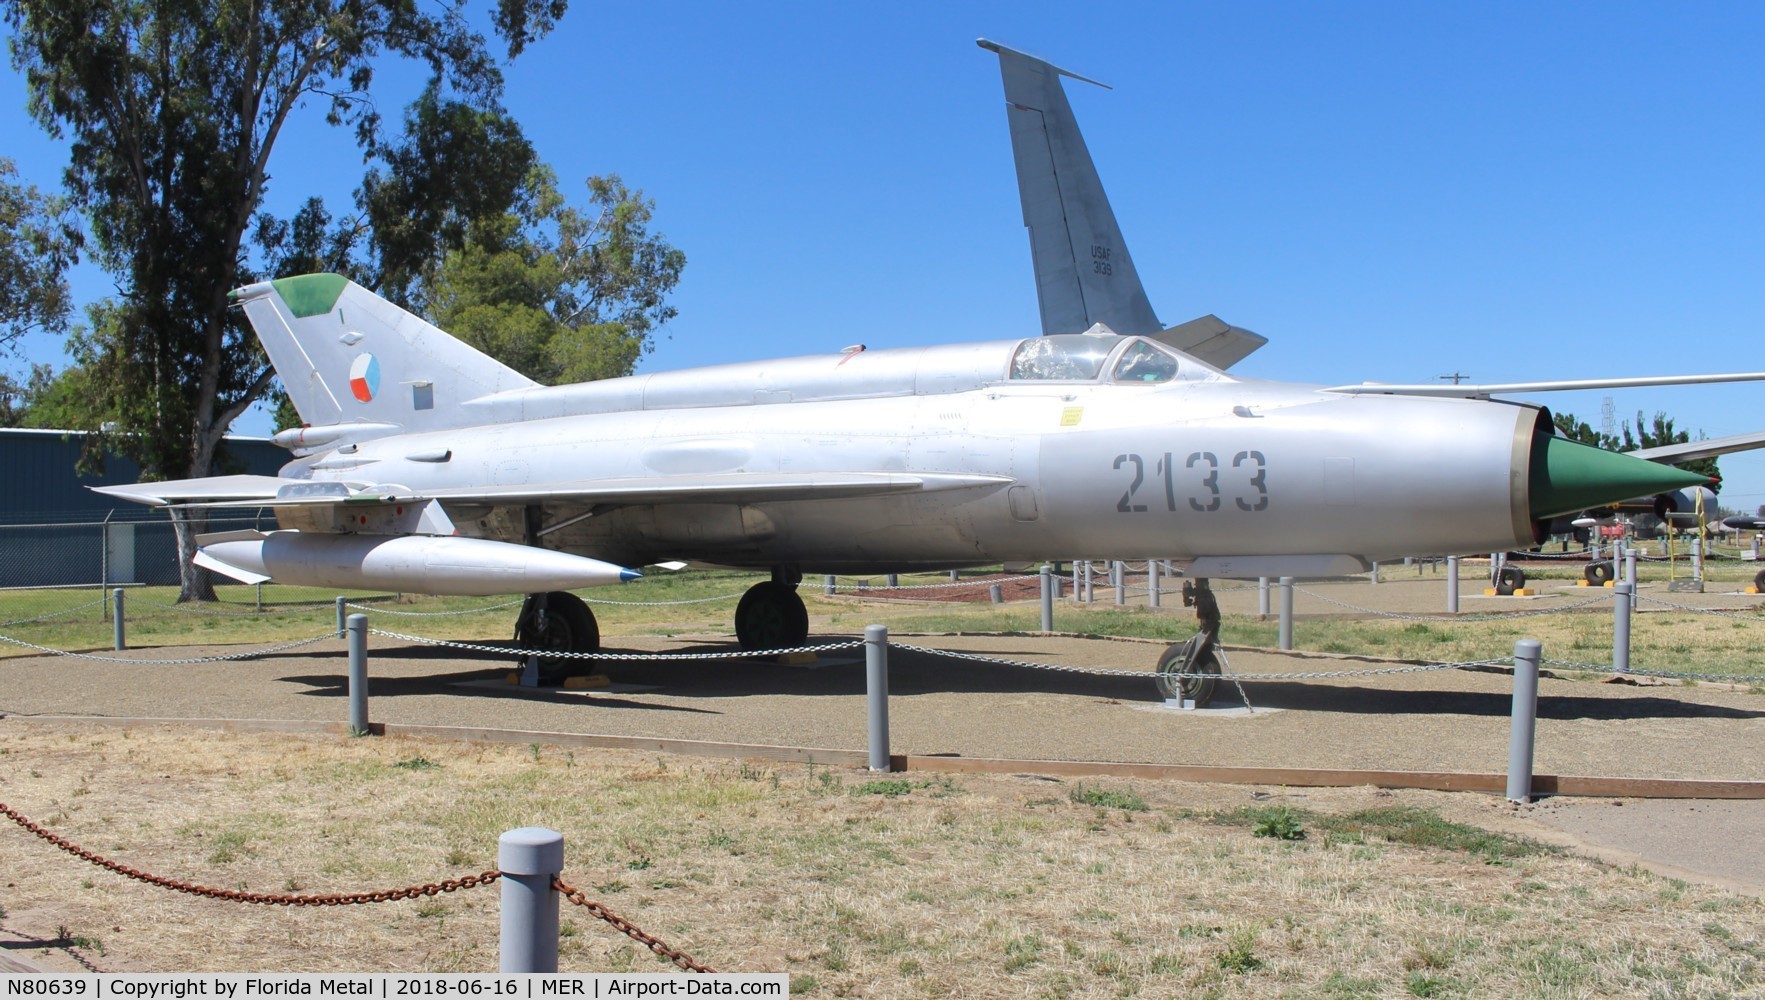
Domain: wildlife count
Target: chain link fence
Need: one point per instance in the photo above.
(98, 553)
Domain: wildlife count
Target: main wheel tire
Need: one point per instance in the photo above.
(1597, 573)
(569, 628)
(1509, 579)
(1200, 690)
(771, 616)
(1759, 581)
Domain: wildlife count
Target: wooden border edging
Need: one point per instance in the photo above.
(1445, 781)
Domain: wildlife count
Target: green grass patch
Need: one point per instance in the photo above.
(1106, 798)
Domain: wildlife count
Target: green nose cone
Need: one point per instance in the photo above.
(1569, 477)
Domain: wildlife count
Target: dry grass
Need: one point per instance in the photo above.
(899, 886)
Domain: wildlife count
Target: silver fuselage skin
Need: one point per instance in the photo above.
(1240, 477)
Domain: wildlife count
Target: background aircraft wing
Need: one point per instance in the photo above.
(1691, 451)
(1211, 339)
(1469, 391)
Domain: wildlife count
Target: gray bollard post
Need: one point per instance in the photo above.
(1152, 575)
(530, 859)
(1048, 585)
(1088, 581)
(1630, 568)
(894, 580)
(1075, 581)
(1262, 598)
(342, 613)
(1119, 570)
(996, 593)
(358, 675)
(1621, 628)
(1697, 559)
(1286, 583)
(876, 693)
(955, 575)
(1374, 576)
(117, 628)
(828, 586)
(1525, 719)
(1452, 585)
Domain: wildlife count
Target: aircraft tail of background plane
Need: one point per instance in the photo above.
(355, 365)
(1084, 274)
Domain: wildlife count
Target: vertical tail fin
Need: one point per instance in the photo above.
(1083, 272)
(347, 356)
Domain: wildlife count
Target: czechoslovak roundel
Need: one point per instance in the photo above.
(364, 377)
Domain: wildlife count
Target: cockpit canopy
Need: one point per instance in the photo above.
(1084, 357)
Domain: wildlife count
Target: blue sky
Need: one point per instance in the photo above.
(1388, 191)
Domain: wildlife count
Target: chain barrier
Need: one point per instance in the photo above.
(1414, 668)
(567, 655)
(429, 614)
(1713, 612)
(1444, 617)
(661, 604)
(953, 585)
(179, 662)
(241, 896)
(680, 958)
(194, 609)
(54, 614)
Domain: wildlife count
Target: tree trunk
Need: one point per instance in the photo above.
(194, 582)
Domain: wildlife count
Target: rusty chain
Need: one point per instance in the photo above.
(627, 928)
(238, 896)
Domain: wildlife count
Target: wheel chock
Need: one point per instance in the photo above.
(1582, 583)
(588, 682)
(1751, 589)
(797, 659)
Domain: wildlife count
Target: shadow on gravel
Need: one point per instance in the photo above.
(488, 684)
(842, 675)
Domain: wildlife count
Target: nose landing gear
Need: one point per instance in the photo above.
(1198, 655)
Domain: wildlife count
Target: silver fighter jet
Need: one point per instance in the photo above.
(428, 467)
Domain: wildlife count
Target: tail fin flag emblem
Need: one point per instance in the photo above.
(364, 377)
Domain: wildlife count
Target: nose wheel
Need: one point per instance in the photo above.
(771, 616)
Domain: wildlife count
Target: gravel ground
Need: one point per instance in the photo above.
(1448, 720)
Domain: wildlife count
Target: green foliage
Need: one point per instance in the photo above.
(1280, 823)
(38, 240)
(1106, 798)
(417, 763)
(1240, 956)
(558, 293)
(890, 787)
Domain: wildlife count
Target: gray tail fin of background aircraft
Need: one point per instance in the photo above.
(1084, 274)
(347, 357)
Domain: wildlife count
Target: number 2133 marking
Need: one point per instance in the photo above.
(1200, 482)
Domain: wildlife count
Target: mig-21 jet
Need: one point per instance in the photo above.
(425, 466)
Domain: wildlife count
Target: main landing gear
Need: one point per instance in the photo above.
(771, 615)
(1198, 655)
(557, 622)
